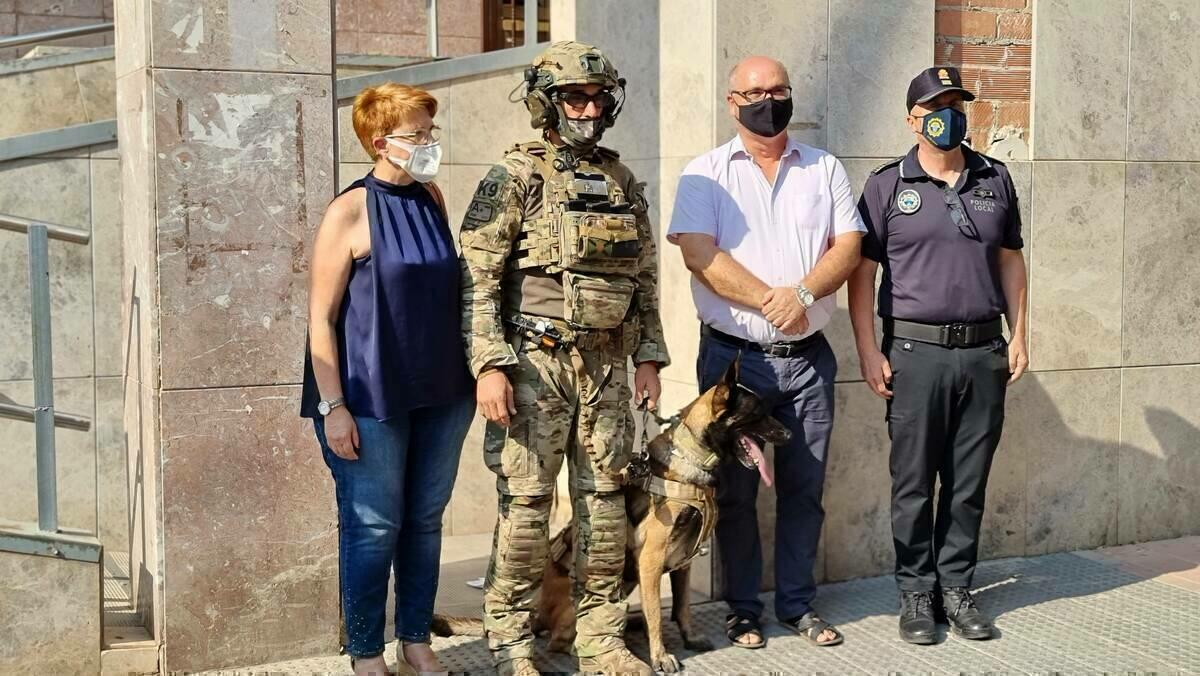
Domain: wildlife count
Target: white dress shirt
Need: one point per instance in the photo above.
(776, 232)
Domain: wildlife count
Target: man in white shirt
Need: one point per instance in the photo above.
(769, 229)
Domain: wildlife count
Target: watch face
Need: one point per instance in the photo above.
(323, 408)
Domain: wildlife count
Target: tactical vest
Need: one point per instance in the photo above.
(587, 232)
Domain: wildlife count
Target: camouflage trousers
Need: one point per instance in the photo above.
(572, 404)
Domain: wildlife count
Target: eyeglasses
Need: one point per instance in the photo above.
(958, 214)
(420, 137)
(757, 95)
(579, 100)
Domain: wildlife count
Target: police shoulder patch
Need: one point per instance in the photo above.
(885, 165)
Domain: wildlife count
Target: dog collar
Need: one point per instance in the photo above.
(685, 445)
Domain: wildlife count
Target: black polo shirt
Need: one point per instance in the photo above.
(939, 245)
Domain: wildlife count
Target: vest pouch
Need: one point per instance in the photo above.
(596, 301)
(600, 242)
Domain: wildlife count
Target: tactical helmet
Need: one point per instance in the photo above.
(568, 63)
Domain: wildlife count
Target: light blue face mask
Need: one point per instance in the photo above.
(945, 127)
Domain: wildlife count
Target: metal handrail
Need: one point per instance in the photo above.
(44, 417)
(64, 233)
(55, 34)
(68, 421)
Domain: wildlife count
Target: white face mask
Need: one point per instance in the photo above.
(422, 162)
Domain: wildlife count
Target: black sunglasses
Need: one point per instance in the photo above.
(958, 213)
(604, 99)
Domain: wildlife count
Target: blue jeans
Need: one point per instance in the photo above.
(799, 391)
(390, 504)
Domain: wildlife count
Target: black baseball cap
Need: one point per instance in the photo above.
(932, 82)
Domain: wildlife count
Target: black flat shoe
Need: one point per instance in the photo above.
(966, 620)
(917, 624)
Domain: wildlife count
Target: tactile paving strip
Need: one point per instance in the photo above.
(1057, 613)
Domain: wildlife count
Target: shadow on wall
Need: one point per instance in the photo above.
(139, 524)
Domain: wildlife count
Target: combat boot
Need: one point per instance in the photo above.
(619, 661)
(518, 666)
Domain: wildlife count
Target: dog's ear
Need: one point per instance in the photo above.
(720, 398)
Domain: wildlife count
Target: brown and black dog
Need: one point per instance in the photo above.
(671, 507)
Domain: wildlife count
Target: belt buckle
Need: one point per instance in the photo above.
(958, 335)
(776, 350)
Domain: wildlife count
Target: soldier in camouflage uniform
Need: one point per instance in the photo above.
(559, 291)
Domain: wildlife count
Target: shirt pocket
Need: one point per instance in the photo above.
(811, 212)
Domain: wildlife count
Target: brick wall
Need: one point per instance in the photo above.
(18, 17)
(401, 27)
(991, 42)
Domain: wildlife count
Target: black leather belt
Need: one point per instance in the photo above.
(946, 335)
(782, 349)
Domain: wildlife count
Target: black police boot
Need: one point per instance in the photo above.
(916, 618)
(964, 617)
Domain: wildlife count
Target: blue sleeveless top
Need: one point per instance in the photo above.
(399, 329)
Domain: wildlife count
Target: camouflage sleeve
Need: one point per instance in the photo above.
(492, 222)
(652, 346)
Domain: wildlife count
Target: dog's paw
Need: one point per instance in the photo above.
(667, 664)
(697, 645)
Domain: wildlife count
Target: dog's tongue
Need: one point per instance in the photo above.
(760, 461)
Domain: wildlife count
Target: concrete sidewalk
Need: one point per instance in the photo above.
(1133, 608)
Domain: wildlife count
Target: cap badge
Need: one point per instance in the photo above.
(908, 201)
(936, 127)
(944, 76)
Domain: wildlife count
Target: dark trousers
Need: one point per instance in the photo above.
(944, 419)
(799, 389)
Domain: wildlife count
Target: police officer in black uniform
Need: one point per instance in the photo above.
(943, 222)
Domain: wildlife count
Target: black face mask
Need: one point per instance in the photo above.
(767, 117)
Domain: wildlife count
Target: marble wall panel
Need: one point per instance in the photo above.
(1004, 518)
(139, 316)
(41, 99)
(107, 264)
(52, 625)
(840, 331)
(250, 528)
(1165, 33)
(290, 36)
(627, 31)
(1079, 90)
(1159, 469)
(858, 526)
(1022, 176)
(691, 90)
(1075, 276)
(1067, 423)
(680, 324)
(244, 176)
(141, 435)
(112, 476)
(70, 266)
(485, 123)
(795, 33)
(1162, 282)
(97, 88)
(75, 457)
(875, 48)
(132, 33)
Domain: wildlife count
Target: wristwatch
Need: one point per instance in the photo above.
(805, 296)
(326, 407)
